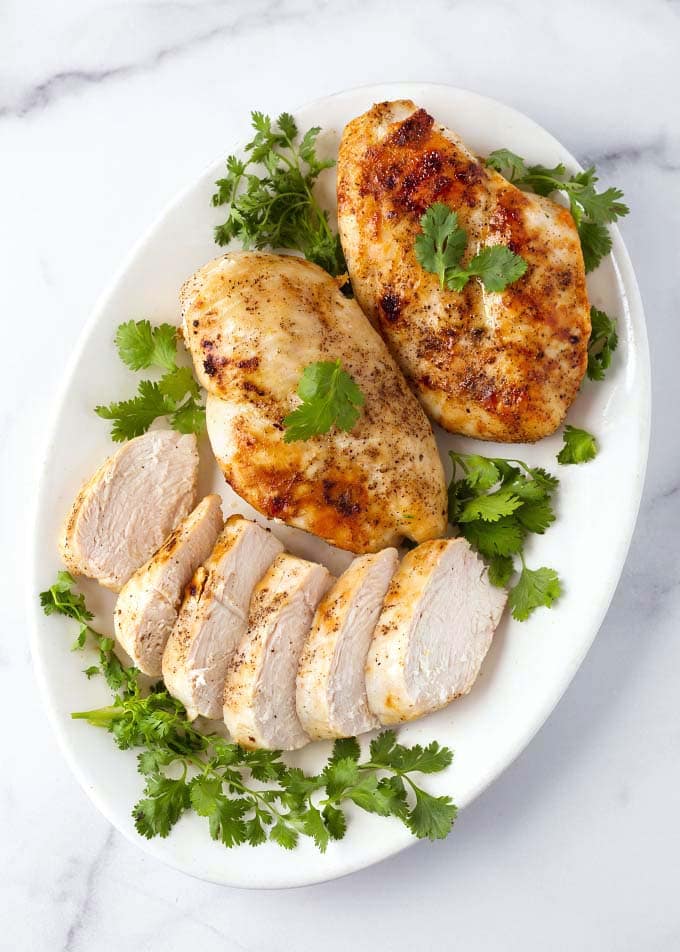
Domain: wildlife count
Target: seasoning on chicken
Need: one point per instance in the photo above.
(259, 693)
(146, 610)
(331, 684)
(131, 504)
(253, 322)
(497, 366)
(434, 631)
(214, 616)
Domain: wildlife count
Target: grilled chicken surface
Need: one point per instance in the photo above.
(214, 616)
(331, 684)
(146, 610)
(125, 511)
(259, 692)
(434, 631)
(497, 366)
(253, 322)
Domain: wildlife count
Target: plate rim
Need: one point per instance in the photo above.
(389, 846)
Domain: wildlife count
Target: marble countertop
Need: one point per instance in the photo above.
(106, 109)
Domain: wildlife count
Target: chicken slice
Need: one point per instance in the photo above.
(436, 626)
(496, 366)
(125, 511)
(331, 683)
(214, 616)
(253, 322)
(259, 693)
(147, 606)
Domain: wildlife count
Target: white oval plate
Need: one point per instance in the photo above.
(529, 665)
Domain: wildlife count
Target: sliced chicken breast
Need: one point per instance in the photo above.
(214, 616)
(259, 693)
(146, 610)
(331, 683)
(253, 322)
(131, 504)
(435, 628)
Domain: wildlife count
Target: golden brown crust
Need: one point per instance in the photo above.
(502, 366)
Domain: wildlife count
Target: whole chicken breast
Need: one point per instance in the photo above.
(434, 631)
(253, 322)
(146, 610)
(124, 512)
(495, 366)
(259, 692)
(213, 617)
(331, 685)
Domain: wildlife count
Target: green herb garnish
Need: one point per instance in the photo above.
(497, 503)
(176, 395)
(441, 245)
(330, 397)
(579, 446)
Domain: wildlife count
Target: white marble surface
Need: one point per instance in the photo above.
(106, 109)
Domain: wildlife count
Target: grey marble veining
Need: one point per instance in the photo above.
(106, 109)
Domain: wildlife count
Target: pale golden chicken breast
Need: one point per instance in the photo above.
(253, 322)
(497, 366)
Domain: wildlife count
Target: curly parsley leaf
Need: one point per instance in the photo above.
(536, 587)
(176, 395)
(441, 244)
(330, 397)
(496, 504)
(277, 208)
(579, 446)
(603, 342)
(590, 209)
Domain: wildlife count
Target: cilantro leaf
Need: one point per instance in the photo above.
(330, 397)
(508, 163)
(491, 507)
(278, 208)
(335, 822)
(441, 244)
(166, 801)
(496, 266)
(140, 345)
(346, 747)
(60, 599)
(502, 538)
(536, 515)
(432, 817)
(596, 243)
(579, 446)
(133, 417)
(603, 342)
(501, 568)
(535, 587)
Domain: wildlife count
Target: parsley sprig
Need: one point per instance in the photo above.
(176, 395)
(329, 396)
(249, 796)
(278, 209)
(496, 504)
(603, 342)
(441, 245)
(591, 210)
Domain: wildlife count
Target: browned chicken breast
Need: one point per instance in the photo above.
(497, 366)
(253, 322)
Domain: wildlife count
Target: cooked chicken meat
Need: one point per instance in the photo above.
(331, 683)
(259, 693)
(125, 511)
(435, 628)
(253, 322)
(498, 366)
(147, 606)
(214, 616)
